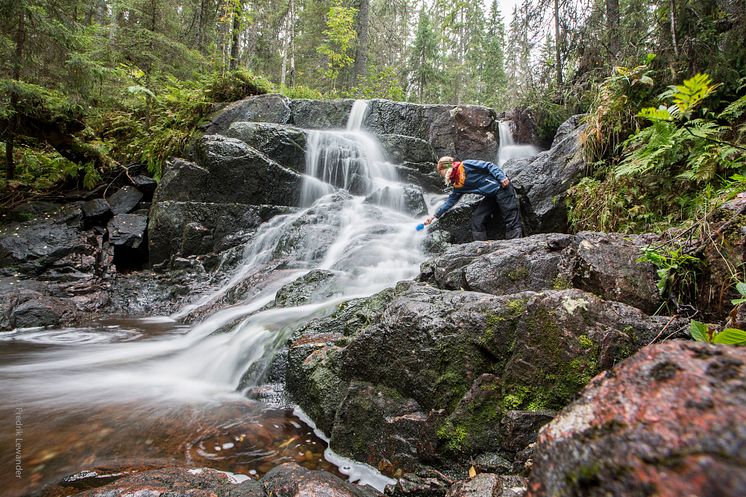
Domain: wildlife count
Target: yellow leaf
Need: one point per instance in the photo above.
(472, 472)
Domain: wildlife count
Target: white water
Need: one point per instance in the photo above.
(369, 247)
(509, 149)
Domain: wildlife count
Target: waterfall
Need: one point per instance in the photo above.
(509, 149)
(147, 367)
(350, 159)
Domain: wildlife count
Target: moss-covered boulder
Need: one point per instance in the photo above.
(449, 365)
(669, 421)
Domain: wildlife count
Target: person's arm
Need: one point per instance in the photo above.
(450, 202)
(489, 166)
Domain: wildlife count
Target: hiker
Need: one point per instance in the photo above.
(483, 178)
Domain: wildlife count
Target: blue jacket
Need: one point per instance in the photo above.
(482, 177)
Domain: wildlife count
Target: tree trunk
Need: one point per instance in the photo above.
(235, 35)
(557, 46)
(612, 27)
(361, 51)
(201, 26)
(674, 42)
(20, 42)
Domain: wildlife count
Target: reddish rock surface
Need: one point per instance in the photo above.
(669, 421)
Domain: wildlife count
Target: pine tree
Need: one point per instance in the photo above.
(423, 56)
(493, 74)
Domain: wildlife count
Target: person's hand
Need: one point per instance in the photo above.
(504, 183)
(429, 220)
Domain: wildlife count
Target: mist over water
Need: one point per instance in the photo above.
(122, 375)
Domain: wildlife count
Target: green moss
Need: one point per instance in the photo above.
(556, 378)
(585, 342)
(453, 436)
(561, 283)
(516, 308)
(519, 273)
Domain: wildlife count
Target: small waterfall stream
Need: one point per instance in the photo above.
(152, 391)
(509, 149)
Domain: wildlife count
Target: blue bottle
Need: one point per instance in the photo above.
(420, 227)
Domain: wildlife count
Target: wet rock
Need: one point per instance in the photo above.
(542, 181)
(397, 433)
(491, 462)
(313, 286)
(488, 485)
(500, 267)
(228, 171)
(36, 246)
(127, 234)
(423, 483)
(401, 148)
(320, 114)
(285, 145)
(605, 264)
(127, 230)
(452, 364)
(291, 480)
(28, 211)
(124, 200)
(194, 228)
(146, 185)
(421, 174)
(31, 309)
(96, 212)
(260, 108)
(636, 431)
(407, 199)
(518, 429)
(167, 481)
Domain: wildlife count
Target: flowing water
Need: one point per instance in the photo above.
(509, 149)
(124, 395)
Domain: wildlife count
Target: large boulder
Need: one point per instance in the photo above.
(669, 421)
(466, 131)
(261, 108)
(320, 114)
(605, 264)
(194, 228)
(229, 171)
(439, 369)
(542, 181)
(285, 145)
(400, 149)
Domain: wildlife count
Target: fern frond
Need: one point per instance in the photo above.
(734, 110)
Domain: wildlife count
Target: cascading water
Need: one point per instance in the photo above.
(155, 391)
(509, 149)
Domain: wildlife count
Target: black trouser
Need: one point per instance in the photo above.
(506, 201)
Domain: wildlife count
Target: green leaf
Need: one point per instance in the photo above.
(653, 114)
(698, 331)
(741, 287)
(731, 336)
(737, 301)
